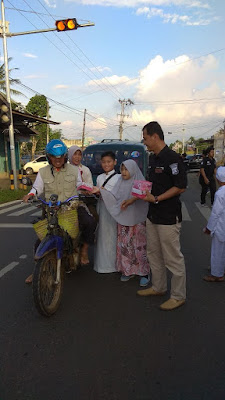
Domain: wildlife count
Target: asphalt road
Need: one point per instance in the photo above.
(105, 342)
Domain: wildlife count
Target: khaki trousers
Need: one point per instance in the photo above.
(163, 251)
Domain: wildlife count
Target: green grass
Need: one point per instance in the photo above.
(7, 195)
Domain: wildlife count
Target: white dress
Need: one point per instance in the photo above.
(105, 249)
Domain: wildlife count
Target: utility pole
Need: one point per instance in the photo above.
(122, 115)
(11, 129)
(47, 115)
(183, 129)
(223, 150)
(83, 134)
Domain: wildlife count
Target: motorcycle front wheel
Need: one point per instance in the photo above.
(47, 293)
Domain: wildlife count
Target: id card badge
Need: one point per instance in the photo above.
(159, 170)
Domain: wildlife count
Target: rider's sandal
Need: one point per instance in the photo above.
(29, 279)
(84, 260)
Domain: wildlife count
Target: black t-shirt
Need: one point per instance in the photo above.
(166, 170)
(209, 165)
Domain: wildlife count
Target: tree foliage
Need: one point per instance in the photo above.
(11, 80)
(38, 105)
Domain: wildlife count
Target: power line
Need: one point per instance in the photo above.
(59, 38)
(184, 101)
(80, 50)
(70, 108)
(90, 77)
(49, 98)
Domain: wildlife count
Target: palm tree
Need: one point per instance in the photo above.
(11, 80)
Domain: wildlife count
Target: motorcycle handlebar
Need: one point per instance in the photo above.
(39, 200)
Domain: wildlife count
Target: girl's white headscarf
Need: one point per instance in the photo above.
(135, 213)
(71, 152)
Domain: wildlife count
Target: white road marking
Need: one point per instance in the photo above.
(16, 225)
(23, 256)
(205, 211)
(11, 208)
(10, 202)
(36, 214)
(21, 212)
(8, 268)
(185, 213)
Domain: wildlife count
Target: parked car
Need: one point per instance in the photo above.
(123, 150)
(34, 166)
(194, 161)
(25, 159)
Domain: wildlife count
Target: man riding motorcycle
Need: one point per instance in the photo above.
(62, 179)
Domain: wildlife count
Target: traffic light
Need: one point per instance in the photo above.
(66, 24)
(5, 118)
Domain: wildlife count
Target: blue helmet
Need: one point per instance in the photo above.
(56, 148)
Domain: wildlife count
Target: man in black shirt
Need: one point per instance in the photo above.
(168, 177)
(207, 179)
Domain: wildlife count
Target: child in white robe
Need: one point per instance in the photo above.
(105, 249)
(216, 227)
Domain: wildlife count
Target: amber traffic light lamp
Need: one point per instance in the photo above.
(66, 24)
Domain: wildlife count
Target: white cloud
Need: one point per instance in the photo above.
(50, 3)
(139, 3)
(101, 69)
(172, 18)
(67, 124)
(29, 55)
(99, 124)
(113, 80)
(178, 91)
(60, 87)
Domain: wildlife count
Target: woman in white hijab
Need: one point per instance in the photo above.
(75, 156)
(131, 220)
(86, 214)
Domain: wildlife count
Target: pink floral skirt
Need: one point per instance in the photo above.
(131, 250)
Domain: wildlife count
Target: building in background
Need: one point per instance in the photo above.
(23, 131)
(78, 142)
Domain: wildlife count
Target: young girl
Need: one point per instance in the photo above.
(130, 214)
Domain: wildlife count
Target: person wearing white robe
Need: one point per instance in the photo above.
(216, 227)
(105, 249)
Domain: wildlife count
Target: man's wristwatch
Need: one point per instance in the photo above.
(156, 200)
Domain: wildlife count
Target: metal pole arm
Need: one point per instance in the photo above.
(10, 34)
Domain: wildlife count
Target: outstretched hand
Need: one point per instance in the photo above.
(149, 197)
(127, 203)
(95, 190)
(206, 231)
(27, 197)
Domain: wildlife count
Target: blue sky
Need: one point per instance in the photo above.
(166, 56)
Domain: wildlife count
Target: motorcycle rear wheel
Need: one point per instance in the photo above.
(46, 293)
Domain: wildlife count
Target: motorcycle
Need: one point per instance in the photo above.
(57, 251)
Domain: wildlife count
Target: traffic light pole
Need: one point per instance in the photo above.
(11, 128)
(4, 34)
(11, 34)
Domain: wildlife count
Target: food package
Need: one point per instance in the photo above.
(139, 188)
(85, 186)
